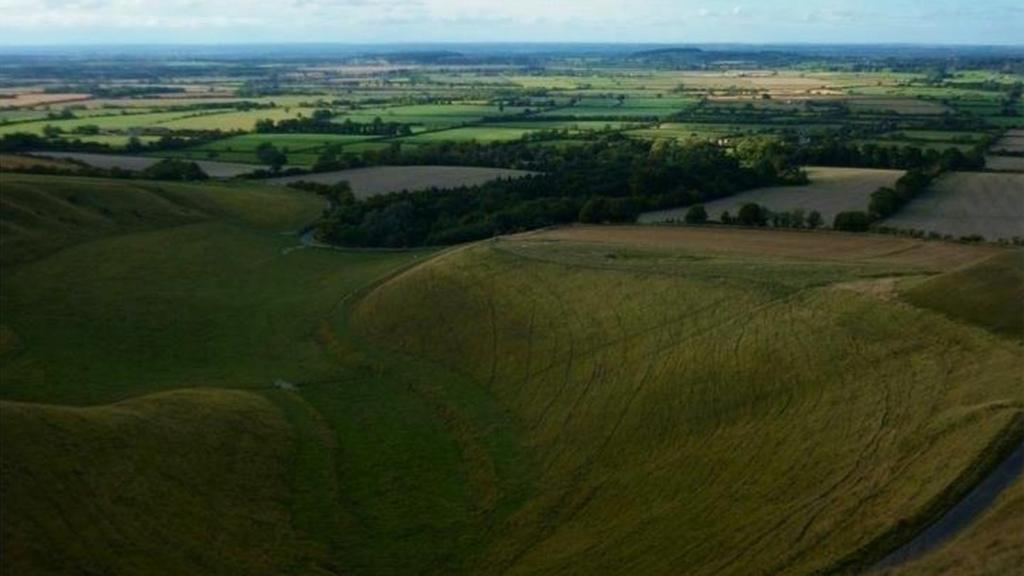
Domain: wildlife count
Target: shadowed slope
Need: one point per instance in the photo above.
(104, 490)
(42, 214)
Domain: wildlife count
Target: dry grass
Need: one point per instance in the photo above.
(27, 100)
(831, 246)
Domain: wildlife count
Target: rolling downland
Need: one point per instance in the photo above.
(186, 390)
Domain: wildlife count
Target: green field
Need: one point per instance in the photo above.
(431, 115)
(477, 133)
(301, 149)
(241, 120)
(291, 142)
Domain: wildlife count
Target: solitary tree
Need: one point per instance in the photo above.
(595, 210)
(696, 214)
(268, 154)
(854, 221)
(175, 169)
(134, 145)
(797, 218)
(814, 220)
(752, 214)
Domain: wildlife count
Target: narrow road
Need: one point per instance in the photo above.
(959, 516)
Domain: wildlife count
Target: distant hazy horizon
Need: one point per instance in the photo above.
(187, 22)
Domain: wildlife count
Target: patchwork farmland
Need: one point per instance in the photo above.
(509, 350)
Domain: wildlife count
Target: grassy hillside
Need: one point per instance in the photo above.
(989, 294)
(42, 214)
(392, 465)
(173, 483)
(586, 400)
(727, 414)
(222, 300)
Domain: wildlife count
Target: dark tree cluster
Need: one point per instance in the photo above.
(609, 181)
(321, 122)
(753, 214)
(174, 169)
(836, 152)
(886, 201)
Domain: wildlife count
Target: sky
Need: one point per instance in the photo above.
(43, 22)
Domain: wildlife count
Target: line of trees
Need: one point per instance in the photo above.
(753, 214)
(322, 122)
(835, 152)
(611, 180)
(58, 141)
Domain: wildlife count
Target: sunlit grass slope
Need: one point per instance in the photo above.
(173, 483)
(989, 294)
(693, 411)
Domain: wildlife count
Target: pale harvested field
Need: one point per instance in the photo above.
(757, 80)
(761, 243)
(138, 163)
(1004, 163)
(377, 180)
(965, 203)
(26, 100)
(831, 191)
(1012, 141)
